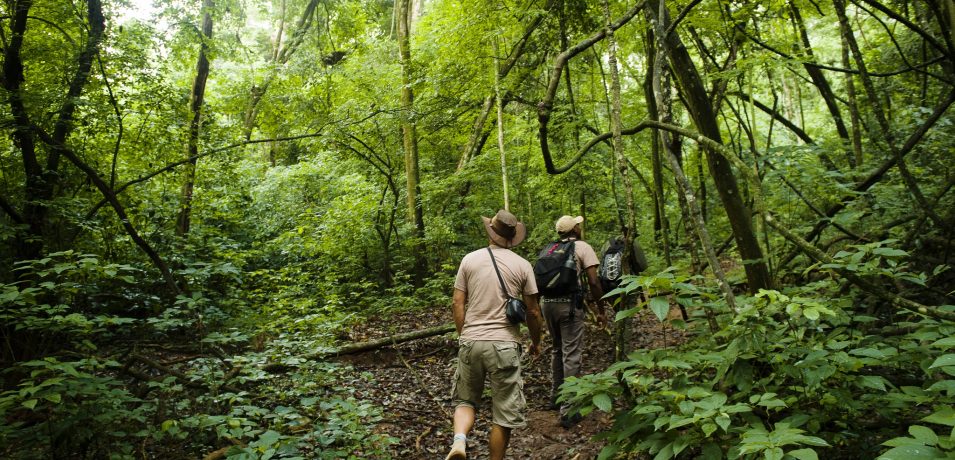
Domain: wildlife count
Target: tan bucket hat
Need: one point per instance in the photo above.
(504, 229)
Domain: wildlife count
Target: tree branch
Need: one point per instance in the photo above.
(909, 24)
(114, 202)
(545, 107)
(776, 116)
(11, 211)
(175, 165)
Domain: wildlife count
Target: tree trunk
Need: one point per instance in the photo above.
(37, 190)
(410, 137)
(698, 104)
(198, 94)
(880, 115)
(500, 125)
(629, 229)
(818, 79)
(280, 55)
(661, 222)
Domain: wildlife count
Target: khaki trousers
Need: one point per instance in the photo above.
(566, 328)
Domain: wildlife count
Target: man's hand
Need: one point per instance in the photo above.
(535, 349)
(600, 312)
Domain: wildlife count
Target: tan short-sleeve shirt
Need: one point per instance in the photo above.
(585, 256)
(484, 317)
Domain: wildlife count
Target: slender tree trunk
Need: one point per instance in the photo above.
(651, 83)
(477, 132)
(661, 99)
(880, 115)
(281, 54)
(629, 230)
(409, 136)
(698, 104)
(500, 124)
(37, 190)
(854, 118)
(183, 221)
(818, 79)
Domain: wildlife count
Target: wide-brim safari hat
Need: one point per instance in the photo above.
(504, 229)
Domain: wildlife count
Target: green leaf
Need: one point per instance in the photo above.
(945, 360)
(872, 381)
(924, 434)
(626, 313)
(776, 453)
(889, 252)
(603, 402)
(29, 404)
(660, 307)
(648, 409)
(803, 454)
(946, 416)
(724, 422)
(54, 398)
(947, 342)
(912, 453)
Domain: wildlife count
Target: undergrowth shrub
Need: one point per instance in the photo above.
(805, 372)
(114, 372)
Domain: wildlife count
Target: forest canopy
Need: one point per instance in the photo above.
(202, 201)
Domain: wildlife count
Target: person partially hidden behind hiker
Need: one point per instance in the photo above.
(490, 345)
(565, 316)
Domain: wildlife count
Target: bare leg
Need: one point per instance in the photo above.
(463, 421)
(500, 436)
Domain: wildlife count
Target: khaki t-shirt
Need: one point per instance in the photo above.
(585, 256)
(484, 317)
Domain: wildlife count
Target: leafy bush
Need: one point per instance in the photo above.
(67, 409)
(791, 374)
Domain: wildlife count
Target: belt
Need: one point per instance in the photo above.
(558, 299)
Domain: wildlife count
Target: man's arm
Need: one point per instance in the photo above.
(596, 292)
(534, 322)
(457, 308)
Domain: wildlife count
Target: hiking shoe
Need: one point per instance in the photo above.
(569, 421)
(458, 451)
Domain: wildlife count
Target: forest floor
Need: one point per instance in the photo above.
(412, 384)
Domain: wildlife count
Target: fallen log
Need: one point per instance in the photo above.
(360, 347)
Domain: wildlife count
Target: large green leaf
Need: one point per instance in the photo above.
(912, 452)
(660, 307)
(944, 360)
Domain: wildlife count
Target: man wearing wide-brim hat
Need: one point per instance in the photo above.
(489, 344)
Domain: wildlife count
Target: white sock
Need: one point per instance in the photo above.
(460, 436)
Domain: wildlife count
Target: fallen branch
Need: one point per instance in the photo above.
(360, 347)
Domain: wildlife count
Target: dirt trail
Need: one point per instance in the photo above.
(412, 383)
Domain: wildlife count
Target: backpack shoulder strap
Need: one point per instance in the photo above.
(498, 272)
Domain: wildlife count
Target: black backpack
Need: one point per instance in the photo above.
(556, 269)
(611, 264)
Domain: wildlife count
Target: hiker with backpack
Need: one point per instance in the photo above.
(558, 269)
(494, 291)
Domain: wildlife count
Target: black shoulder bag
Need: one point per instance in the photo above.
(514, 308)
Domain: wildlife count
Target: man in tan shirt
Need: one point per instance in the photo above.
(489, 344)
(565, 315)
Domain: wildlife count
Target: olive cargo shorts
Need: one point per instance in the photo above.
(501, 361)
